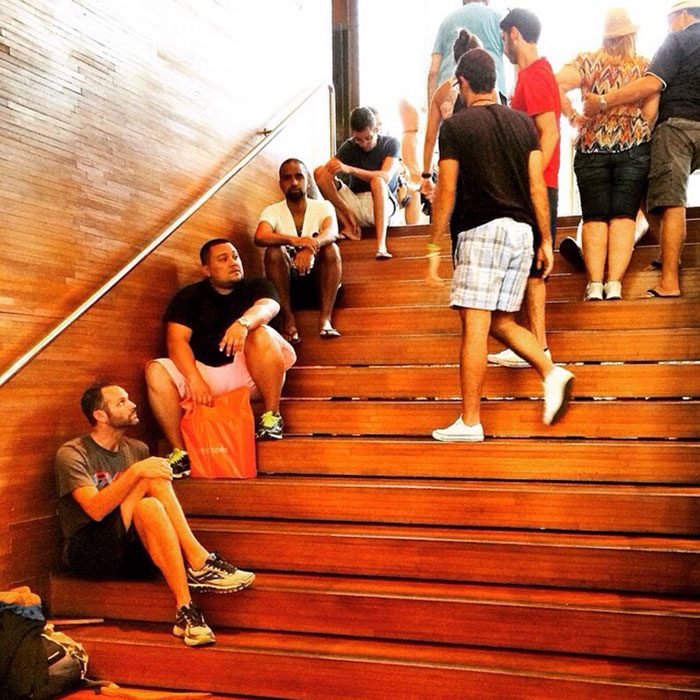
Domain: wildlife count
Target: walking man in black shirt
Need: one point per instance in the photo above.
(218, 340)
(492, 197)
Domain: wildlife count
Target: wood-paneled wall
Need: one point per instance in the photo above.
(114, 117)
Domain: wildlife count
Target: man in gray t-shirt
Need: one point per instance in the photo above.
(120, 516)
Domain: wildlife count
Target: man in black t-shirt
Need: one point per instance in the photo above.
(491, 194)
(674, 72)
(371, 162)
(218, 340)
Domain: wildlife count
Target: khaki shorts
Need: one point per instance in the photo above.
(362, 207)
(675, 154)
(228, 377)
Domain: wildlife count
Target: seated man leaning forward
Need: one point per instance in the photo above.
(371, 161)
(218, 341)
(120, 516)
(302, 259)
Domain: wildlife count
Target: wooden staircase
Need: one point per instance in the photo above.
(542, 563)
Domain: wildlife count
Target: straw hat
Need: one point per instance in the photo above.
(618, 23)
(680, 5)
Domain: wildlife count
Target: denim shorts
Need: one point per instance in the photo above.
(675, 154)
(612, 185)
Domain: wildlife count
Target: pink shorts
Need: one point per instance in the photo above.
(228, 377)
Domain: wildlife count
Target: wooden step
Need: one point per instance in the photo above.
(564, 621)
(626, 381)
(402, 291)
(302, 666)
(537, 460)
(411, 264)
(659, 314)
(500, 418)
(383, 346)
(642, 509)
(411, 240)
(633, 563)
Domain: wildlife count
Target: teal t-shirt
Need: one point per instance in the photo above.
(477, 19)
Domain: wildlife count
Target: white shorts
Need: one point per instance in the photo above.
(230, 376)
(362, 205)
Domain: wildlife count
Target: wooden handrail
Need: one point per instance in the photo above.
(268, 135)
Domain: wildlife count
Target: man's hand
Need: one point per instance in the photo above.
(198, 390)
(234, 339)
(335, 166)
(303, 262)
(153, 468)
(545, 258)
(591, 105)
(307, 242)
(427, 188)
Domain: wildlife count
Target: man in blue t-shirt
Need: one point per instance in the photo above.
(370, 160)
(674, 72)
(478, 19)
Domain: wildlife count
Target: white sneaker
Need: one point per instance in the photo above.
(557, 392)
(460, 432)
(613, 290)
(594, 292)
(508, 358)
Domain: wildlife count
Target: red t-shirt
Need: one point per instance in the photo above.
(537, 92)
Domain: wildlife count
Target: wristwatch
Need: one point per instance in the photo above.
(603, 103)
(244, 321)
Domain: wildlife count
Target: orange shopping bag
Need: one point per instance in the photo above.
(220, 439)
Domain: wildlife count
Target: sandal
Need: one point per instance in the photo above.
(329, 333)
(658, 295)
(292, 336)
(383, 255)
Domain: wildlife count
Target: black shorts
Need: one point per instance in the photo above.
(305, 290)
(105, 549)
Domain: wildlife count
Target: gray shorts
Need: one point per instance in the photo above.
(675, 154)
(492, 265)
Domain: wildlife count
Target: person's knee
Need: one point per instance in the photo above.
(275, 258)
(149, 510)
(157, 376)
(329, 253)
(378, 184)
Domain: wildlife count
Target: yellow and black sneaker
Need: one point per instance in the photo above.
(270, 426)
(191, 627)
(180, 463)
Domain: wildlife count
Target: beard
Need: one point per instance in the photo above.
(120, 423)
(295, 195)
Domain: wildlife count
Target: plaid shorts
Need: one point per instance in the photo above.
(492, 264)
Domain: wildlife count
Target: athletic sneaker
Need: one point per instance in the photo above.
(180, 463)
(508, 358)
(459, 431)
(218, 576)
(557, 392)
(613, 290)
(594, 291)
(270, 426)
(191, 627)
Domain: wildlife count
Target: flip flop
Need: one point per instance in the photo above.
(292, 337)
(329, 333)
(657, 295)
(383, 255)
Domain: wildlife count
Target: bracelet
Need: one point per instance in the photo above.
(426, 176)
(433, 247)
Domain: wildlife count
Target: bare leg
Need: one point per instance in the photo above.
(165, 403)
(620, 247)
(277, 270)
(520, 340)
(348, 222)
(595, 249)
(380, 200)
(330, 272)
(472, 361)
(265, 365)
(533, 311)
(672, 239)
(162, 491)
(160, 540)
